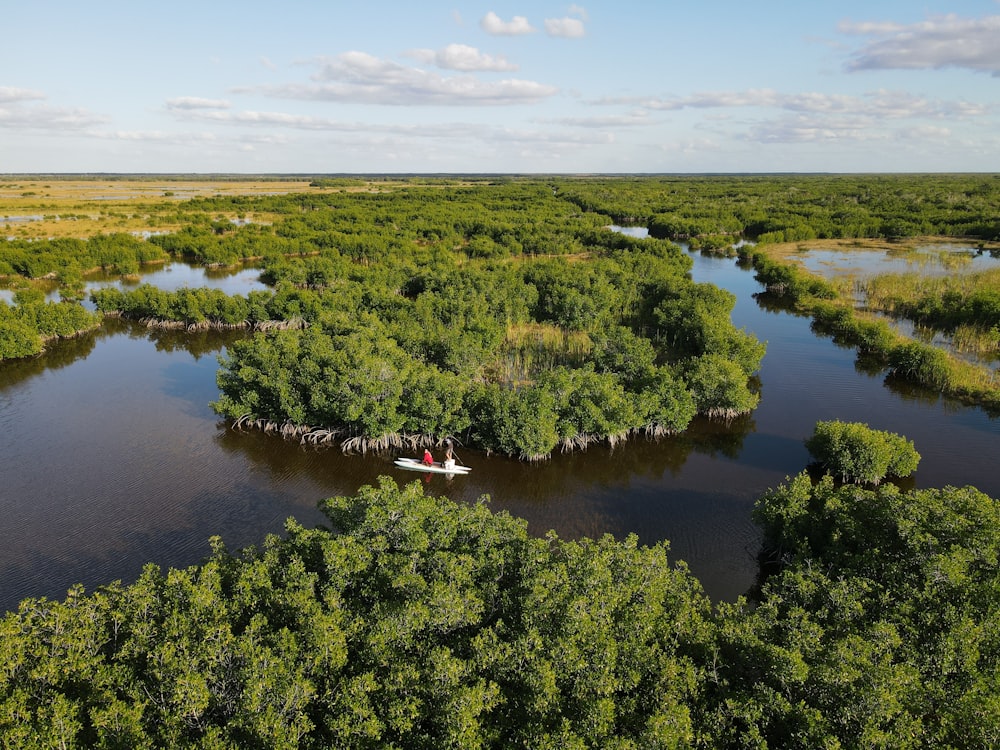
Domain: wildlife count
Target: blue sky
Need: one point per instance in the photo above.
(529, 87)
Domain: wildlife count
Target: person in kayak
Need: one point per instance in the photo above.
(428, 459)
(449, 456)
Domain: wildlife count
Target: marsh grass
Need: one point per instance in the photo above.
(530, 348)
(912, 359)
(887, 291)
(975, 340)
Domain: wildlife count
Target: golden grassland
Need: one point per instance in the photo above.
(56, 208)
(81, 207)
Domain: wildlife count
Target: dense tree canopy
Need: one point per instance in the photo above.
(416, 622)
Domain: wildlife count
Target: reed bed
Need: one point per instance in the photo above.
(530, 348)
(975, 340)
(886, 291)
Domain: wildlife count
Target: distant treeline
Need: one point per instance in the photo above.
(536, 216)
(789, 208)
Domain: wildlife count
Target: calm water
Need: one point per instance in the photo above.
(936, 259)
(112, 458)
(169, 277)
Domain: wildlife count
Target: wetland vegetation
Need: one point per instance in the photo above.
(501, 311)
(410, 621)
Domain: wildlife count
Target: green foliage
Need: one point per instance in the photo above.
(920, 363)
(696, 321)
(588, 405)
(25, 327)
(458, 313)
(719, 386)
(18, 338)
(438, 275)
(885, 601)
(417, 623)
(185, 305)
(790, 280)
(789, 208)
(520, 422)
(856, 453)
(117, 253)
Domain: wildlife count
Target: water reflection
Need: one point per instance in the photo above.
(169, 277)
(931, 259)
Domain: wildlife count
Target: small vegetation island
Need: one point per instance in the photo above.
(502, 312)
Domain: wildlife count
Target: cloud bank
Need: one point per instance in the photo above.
(937, 43)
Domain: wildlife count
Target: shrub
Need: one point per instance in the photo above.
(720, 387)
(859, 454)
(17, 338)
(920, 363)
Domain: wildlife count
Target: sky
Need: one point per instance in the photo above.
(622, 86)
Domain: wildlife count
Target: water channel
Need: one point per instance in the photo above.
(112, 457)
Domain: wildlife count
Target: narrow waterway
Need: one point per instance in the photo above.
(112, 458)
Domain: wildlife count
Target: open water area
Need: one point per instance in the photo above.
(112, 457)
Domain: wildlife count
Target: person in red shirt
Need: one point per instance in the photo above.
(428, 459)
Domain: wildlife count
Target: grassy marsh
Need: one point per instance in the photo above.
(52, 207)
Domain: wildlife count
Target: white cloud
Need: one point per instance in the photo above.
(613, 121)
(48, 118)
(541, 142)
(690, 146)
(806, 129)
(567, 28)
(462, 57)
(362, 78)
(926, 132)
(937, 43)
(329, 124)
(879, 103)
(153, 136)
(493, 24)
(575, 138)
(18, 110)
(195, 102)
(12, 94)
(267, 63)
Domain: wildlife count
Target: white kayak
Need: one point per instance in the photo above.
(415, 464)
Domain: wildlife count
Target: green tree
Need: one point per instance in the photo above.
(856, 453)
(719, 386)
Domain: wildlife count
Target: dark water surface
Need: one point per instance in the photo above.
(111, 458)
